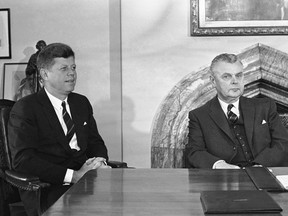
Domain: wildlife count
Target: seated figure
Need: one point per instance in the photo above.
(232, 131)
(52, 133)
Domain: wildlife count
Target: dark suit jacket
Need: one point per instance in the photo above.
(210, 137)
(37, 140)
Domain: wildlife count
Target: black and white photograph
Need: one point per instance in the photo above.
(143, 107)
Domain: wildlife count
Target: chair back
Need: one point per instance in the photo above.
(5, 157)
(9, 194)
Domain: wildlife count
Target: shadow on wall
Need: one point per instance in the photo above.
(116, 125)
(28, 51)
(134, 140)
(107, 116)
(265, 75)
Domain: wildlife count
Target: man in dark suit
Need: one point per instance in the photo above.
(231, 131)
(44, 140)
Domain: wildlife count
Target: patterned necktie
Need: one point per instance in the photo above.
(68, 121)
(231, 115)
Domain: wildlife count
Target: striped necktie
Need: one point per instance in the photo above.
(231, 115)
(68, 121)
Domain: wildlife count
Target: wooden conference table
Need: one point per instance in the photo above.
(151, 192)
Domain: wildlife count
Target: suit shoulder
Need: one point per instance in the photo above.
(78, 97)
(26, 105)
(27, 100)
(261, 101)
(202, 108)
(79, 100)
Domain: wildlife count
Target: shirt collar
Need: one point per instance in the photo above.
(224, 106)
(57, 103)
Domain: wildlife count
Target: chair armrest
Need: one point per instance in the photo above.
(117, 164)
(24, 181)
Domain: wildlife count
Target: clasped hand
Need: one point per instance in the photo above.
(96, 162)
(90, 164)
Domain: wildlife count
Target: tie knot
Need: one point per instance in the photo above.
(63, 104)
(230, 106)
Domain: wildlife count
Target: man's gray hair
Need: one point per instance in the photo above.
(225, 57)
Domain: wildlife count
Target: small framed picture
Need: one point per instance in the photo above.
(14, 81)
(5, 38)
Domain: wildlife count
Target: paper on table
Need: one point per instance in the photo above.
(283, 179)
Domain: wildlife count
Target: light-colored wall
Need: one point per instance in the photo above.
(85, 26)
(157, 52)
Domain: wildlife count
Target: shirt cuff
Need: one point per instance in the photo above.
(68, 176)
(217, 162)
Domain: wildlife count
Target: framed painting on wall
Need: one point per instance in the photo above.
(238, 17)
(5, 38)
(14, 79)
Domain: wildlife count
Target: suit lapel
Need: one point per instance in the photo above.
(248, 112)
(219, 117)
(52, 118)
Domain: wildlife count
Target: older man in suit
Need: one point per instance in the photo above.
(231, 131)
(53, 133)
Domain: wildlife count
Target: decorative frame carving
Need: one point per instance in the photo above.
(234, 18)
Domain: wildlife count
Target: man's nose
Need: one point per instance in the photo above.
(234, 79)
(71, 71)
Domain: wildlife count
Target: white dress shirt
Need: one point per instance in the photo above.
(235, 109)
(73, 142)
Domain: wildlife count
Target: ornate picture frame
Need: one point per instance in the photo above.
(242, 17)
(5, 37)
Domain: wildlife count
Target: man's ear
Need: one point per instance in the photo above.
(43, 73)
(212, 79)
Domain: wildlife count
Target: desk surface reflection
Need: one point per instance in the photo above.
(151, 191)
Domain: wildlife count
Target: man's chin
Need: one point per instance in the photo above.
(70, 87)
(69, 90)
(234, 97)
(236, 93)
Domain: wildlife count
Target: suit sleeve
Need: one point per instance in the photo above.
(24, 144)
(198, 155)
(275, 153)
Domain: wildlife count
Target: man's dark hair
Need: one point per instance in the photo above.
(225, 57)
(46, 57)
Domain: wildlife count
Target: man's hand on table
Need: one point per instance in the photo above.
(221, 164)
(90, 164)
